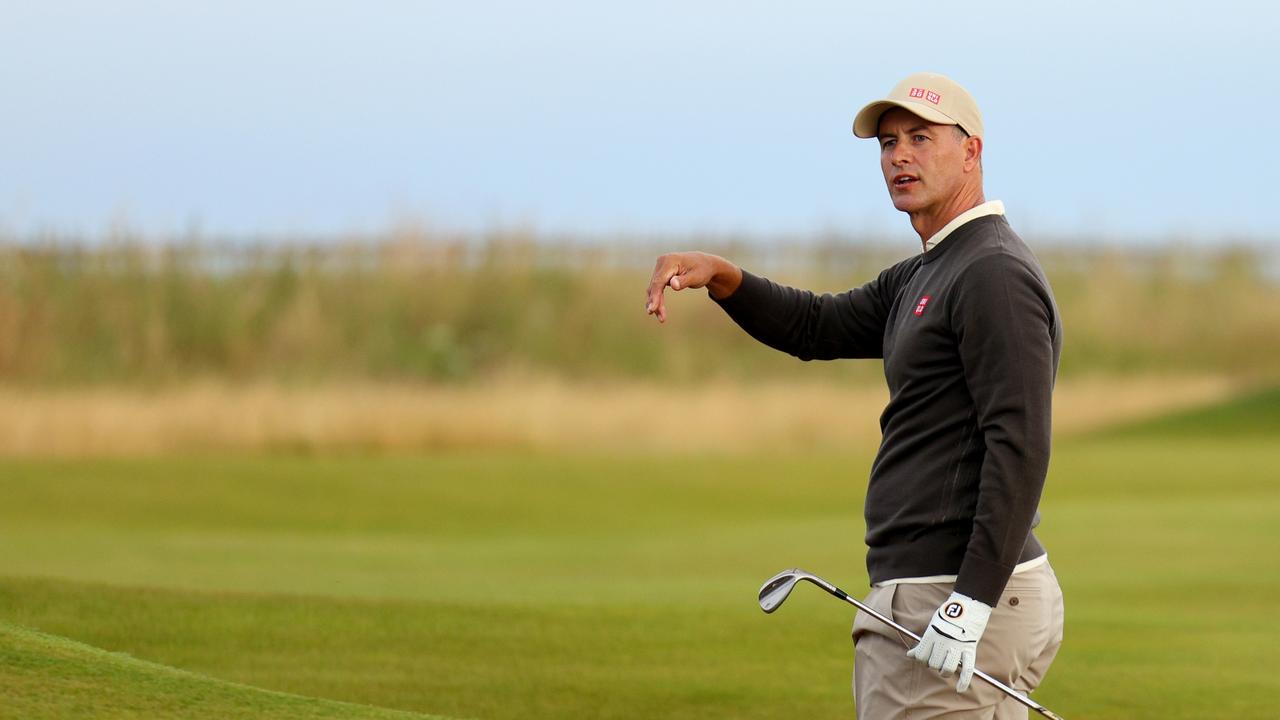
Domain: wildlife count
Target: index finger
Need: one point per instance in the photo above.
(662, 274)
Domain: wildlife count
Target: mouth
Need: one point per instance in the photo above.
(903, 180)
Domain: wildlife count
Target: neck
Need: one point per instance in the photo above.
(928, 222)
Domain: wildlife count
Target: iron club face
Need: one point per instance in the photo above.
(776, 589)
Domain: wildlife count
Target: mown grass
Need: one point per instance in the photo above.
(474, 587)
(622, 586)
(420, 307)
(43, 676)
(1254, 415)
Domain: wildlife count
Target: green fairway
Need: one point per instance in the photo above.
(42, 676)
(532, 586)
(1256, 415)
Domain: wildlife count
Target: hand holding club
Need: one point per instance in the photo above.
(951, 640)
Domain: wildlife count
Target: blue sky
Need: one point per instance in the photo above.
(1104, 119)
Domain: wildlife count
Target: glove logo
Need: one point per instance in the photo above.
(953, 610)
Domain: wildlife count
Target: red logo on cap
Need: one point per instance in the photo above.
(929, 95)
(920, 305)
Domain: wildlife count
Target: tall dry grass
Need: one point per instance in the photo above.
(411, 307)
(411, 342)
(536, 414)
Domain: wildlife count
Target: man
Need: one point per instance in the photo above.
(970, 337)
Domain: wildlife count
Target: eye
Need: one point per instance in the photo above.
(920, 138)
(887, 143)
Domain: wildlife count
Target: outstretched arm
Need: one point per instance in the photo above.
(798, 322)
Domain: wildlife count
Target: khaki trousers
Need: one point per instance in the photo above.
(1020, 641)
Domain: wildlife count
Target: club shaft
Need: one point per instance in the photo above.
(832, 589)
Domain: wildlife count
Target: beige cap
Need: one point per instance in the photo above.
(936, 98)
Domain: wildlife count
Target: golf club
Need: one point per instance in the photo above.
(776, 589)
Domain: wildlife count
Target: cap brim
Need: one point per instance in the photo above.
(866, 124)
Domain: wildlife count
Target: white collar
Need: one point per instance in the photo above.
(991, 207)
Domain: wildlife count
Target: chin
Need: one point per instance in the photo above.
(906, 203)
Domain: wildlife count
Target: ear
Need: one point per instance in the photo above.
(972, 153)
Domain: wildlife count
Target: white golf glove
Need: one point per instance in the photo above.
(951, 640)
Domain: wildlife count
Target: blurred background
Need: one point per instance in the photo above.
(322, 337)
(227, 204)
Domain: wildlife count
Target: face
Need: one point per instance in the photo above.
(925, 165)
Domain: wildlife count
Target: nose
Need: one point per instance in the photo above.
(898, 155)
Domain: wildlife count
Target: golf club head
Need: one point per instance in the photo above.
(776, 589)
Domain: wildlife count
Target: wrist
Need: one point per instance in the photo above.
(724, 280)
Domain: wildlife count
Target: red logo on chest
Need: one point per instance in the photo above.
(921, 305)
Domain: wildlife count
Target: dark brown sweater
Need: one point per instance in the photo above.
(970, 337)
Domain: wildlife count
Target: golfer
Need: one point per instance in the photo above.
(970, 337)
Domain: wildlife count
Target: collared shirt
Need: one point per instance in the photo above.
(991, 207)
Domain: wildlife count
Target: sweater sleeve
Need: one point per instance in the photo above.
(817, 327)
(1005, 324)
